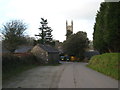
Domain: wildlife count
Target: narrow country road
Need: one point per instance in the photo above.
(67, 75)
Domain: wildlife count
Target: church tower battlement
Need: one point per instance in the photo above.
(69, 29)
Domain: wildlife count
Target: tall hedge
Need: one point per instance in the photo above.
(106, 34)
(12, 61)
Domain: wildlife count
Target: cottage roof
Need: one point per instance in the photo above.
(48, 48)
(91, 53)
(22, 49)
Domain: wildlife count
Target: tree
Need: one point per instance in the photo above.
(45, 34)
(112, 27)
(106, 34)
(76, 44)
(68, 33)
(29, 40)
(99, 26)
(13, 32)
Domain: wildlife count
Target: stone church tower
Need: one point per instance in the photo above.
(69, 29)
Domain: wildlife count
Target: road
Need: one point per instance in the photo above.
(67, 75)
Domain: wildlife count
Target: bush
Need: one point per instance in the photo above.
(9, 62)
(12, 63)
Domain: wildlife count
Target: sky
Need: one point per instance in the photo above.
(82, 12)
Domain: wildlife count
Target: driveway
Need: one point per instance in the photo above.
(67, 75)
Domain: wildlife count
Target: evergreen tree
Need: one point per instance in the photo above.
(45, 34)
(98, 41)
(112, 30)
(106, 34)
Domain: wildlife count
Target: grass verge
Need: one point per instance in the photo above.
(108, 64)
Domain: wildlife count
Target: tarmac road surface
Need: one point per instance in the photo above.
(67, 75)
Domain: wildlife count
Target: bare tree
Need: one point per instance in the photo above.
(13, 32)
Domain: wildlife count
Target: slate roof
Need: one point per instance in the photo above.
(49, 48)
(89, 54)
(22, 49)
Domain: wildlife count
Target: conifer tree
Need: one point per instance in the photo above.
(45, 34)
(106, 34)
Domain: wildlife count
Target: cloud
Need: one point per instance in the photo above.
(56, 11)
(83, 11)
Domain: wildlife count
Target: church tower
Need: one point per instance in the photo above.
(69, 29)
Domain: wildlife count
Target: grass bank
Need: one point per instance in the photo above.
(108, 64)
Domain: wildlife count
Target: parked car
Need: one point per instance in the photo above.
(62, 58)
(67, 58)
(72, 58)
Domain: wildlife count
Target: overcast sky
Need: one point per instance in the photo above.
(82, 12)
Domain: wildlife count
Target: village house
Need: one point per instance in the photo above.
(46, 53)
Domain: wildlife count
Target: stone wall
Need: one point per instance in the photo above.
(40, 53)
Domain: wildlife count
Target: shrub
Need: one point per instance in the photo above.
(11, 61)
(13, 64)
